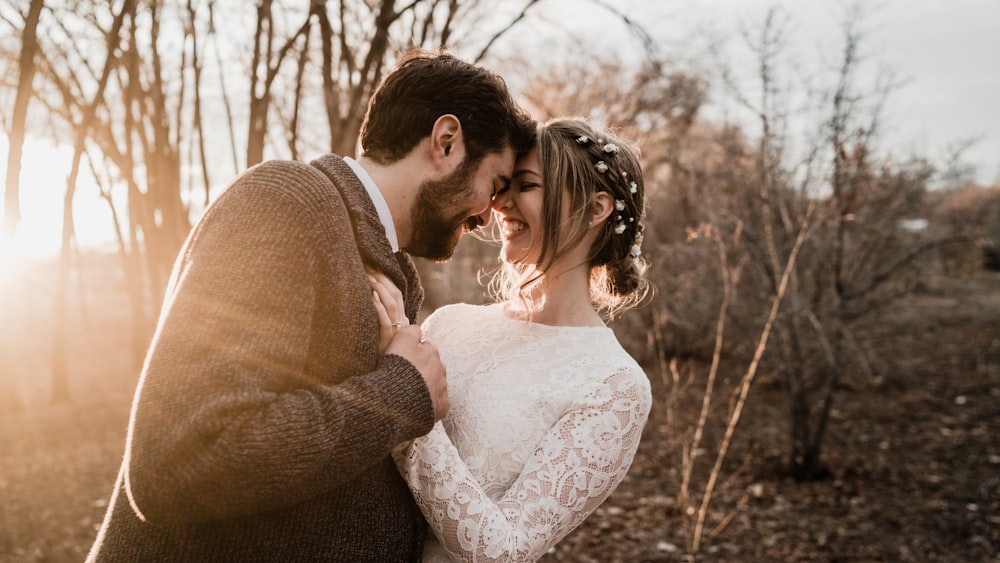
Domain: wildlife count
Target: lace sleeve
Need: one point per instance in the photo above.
(576, 466)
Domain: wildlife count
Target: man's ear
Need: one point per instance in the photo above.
(601, 205)
(447, 142)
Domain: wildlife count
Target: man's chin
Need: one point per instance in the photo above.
(441, 249)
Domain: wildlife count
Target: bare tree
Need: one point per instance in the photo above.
(855, 260)
(11, 296)
(18, 125)
(264, 68)
(60, 380)
(191, 32)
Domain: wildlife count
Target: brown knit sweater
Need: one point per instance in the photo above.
(265, 413)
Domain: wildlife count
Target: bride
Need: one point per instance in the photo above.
(547, 408)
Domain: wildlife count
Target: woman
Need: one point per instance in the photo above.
(547, 408)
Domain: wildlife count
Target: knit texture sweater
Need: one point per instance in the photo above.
(264, 418)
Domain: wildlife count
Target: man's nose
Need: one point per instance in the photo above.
(500, 201)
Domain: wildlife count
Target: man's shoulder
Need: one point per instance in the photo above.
(283, 171)
(334, 167)
(284, 180)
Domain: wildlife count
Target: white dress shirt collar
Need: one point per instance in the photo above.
(380, 205)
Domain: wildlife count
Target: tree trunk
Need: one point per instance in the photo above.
(11, 297)
(259, 96)
(60, 378)
(26, 74)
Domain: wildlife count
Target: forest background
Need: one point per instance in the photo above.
(804, 257)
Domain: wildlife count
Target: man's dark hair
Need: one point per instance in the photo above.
(424, 86)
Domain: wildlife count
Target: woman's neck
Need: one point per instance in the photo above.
(563, 295)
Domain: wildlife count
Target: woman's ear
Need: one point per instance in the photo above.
(601, 205)
(447, 143)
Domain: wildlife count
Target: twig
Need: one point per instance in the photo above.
(729, 517)
(862, 356)
(712, 373)
(749, 376)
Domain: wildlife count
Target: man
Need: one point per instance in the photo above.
(264, 419)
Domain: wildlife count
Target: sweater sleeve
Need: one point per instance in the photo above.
(229, 420)
(578, 463)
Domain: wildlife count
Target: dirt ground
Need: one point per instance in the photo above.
(913, 455)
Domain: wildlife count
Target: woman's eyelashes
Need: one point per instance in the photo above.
(526, 186)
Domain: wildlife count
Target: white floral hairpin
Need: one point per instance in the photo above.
(636, 250)
(610, 148)
(601, 166)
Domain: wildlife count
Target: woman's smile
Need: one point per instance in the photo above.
(511, 228)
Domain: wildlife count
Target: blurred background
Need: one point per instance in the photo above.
(824, 219)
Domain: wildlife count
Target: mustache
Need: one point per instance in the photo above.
(472, 223)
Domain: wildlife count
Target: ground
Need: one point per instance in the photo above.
(913, 456)
(913, 453)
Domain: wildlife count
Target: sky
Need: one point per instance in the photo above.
(943, 51)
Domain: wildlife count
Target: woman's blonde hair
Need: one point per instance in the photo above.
(581, 162)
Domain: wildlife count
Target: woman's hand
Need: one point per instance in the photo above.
(406, 341)
(389, 306)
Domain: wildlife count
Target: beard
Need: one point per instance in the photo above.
(438, 224)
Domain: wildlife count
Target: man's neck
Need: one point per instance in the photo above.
(381, 206)
(398, 182)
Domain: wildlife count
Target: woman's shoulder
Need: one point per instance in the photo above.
(618, 368)
(459, 316)
(464, 310)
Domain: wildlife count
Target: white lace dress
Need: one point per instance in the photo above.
(544, 423)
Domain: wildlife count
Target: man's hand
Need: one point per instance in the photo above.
(409, 344)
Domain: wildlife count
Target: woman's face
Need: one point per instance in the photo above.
(518, 211)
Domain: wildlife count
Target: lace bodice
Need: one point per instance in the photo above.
(544, 423)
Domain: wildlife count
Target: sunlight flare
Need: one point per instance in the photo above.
(44, 170)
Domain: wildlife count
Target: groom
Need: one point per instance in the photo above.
(265, 414)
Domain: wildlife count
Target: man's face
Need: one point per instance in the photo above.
(449, 207)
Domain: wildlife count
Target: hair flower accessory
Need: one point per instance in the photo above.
(610, 148)
(620, 204)
(619, 228)
(633, 187)
(583, 139)
(636, 249)
(601, 166)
